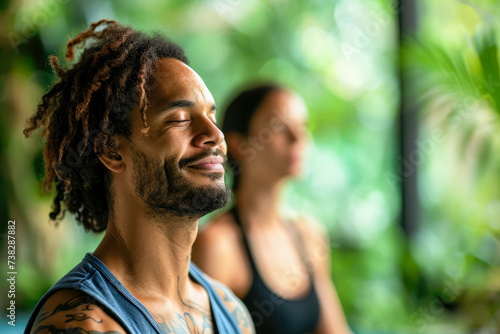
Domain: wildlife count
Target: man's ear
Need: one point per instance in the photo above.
(111, 158)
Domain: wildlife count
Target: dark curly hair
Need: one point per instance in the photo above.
(88, 106)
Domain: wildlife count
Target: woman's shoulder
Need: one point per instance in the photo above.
(314, 239)
(219, 228)
(217, 239)
(218, 250)
(309, 227)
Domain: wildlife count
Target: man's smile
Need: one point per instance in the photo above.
(211, 163)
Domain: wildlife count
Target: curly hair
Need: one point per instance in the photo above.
(87, 106)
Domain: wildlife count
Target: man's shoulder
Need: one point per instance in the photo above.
(70, 310)
(235, 306)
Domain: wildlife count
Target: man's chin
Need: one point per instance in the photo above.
(205, 199)
(217, 178)
(206, 174)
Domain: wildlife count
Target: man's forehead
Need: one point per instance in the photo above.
(170, 67)
(173, 79)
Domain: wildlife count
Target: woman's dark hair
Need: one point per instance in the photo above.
(239, 114)
(90, 104)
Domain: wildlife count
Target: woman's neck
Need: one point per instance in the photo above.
(258, 202)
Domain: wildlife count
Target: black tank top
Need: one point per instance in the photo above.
(270, 312)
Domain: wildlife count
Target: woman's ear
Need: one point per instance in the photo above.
(234, 140)
(111, 158)
(223, 146)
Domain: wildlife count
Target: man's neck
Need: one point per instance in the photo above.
(151, 257)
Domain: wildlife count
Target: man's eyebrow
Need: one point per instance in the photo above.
(183, 104)
(178, 104)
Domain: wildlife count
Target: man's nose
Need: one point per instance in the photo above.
(209, 135)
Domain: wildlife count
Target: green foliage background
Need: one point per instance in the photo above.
(342, 57)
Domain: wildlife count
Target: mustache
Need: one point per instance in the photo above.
(216, 152)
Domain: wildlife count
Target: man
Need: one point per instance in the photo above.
(133, 149)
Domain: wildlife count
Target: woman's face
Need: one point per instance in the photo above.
(277, 133)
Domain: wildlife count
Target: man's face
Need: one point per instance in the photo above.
(178, 166)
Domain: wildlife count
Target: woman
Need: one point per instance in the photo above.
(278, 268)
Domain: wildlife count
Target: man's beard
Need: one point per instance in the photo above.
(167, 190)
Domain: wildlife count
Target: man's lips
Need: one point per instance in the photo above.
(212, 163)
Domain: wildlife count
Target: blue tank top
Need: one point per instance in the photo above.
(92, 277)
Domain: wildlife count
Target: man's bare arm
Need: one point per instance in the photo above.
(71, 311)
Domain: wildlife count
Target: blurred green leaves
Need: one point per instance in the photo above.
(453, 70)
(469, 71)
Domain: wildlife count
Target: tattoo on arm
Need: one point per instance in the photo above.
(54, 330)
(67, 306)
(81, 305)
(80, 317)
